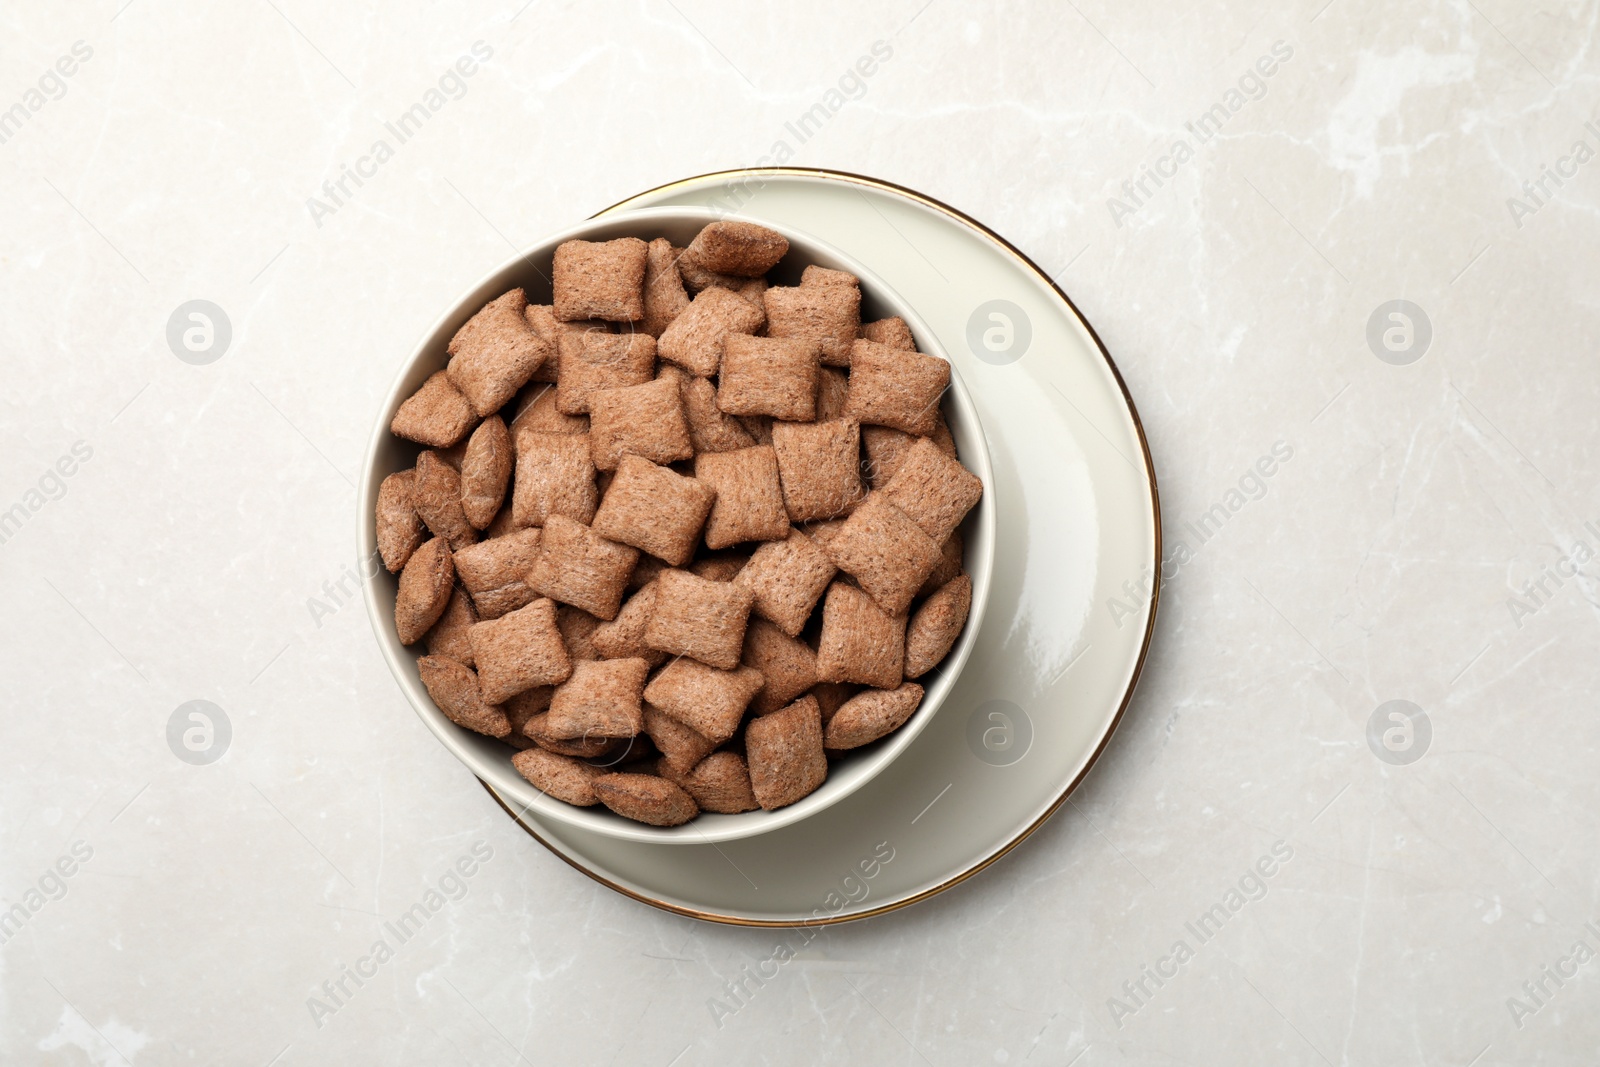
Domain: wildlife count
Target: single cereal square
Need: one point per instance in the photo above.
(495, 572)
(893, 387)
(694, 340)
(768, 376)
(425, 584)
(591, 361)
(645, 798)
(539, 414)
(449, 637)
(786, 579)
(880, 547)
(664, 296)
(600, 280)
(830, 315)
(699, 618)
(819, 466)
(710, 430)
(623, 637)
(495, 353)
(400, 528)
(577, 566)
(892, 332)
(710, 702)
(870, 715)
(436, 415)
(860, 642)
(784, 750)
(519, 650)
(815, 275)
(562, 777)
(646, 420)
(600, 699)
(654, 509)
(936, 625)
(749, 504)
(485, 471)
(436, 493)
(730, 246)
(681, 747)
(721, 783)
(833, 392)
(787, 665)
(935, 490)
(454, 688)
(555, 476)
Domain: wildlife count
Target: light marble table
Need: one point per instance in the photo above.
(1428, 540)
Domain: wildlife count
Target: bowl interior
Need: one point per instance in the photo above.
(490, 759)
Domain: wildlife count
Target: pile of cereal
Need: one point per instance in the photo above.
(712, 546)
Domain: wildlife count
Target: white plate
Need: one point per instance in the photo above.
(1055, 662)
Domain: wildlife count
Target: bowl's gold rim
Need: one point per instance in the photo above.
(1144, 646)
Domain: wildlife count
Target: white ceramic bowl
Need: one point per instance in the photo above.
(490, 759)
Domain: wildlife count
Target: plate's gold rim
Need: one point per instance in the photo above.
(1144, 647)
